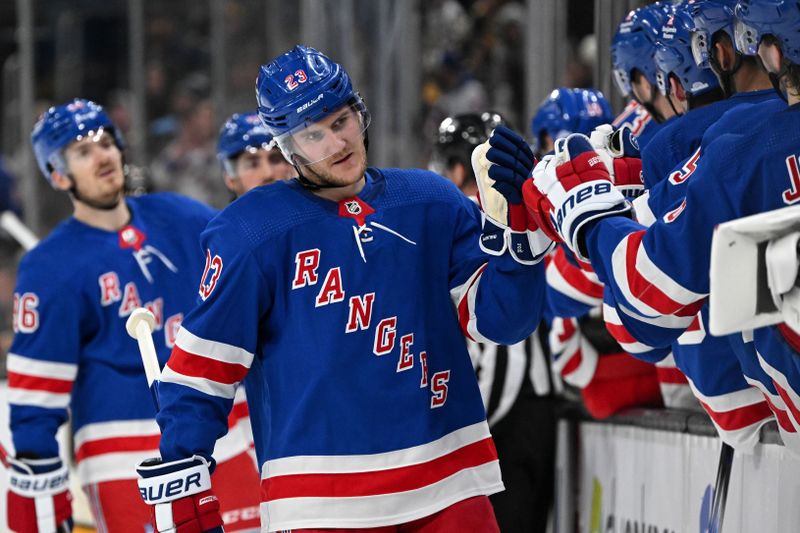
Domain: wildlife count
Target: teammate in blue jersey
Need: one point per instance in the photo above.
(566, 111)
(248, 156)
(71, 357)
(659, 275)
(341, 300)
(516, 384)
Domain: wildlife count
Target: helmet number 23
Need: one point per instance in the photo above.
(293, 80)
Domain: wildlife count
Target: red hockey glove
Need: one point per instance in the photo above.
(619, 150)
(579, 190)
(501, 166)
(38, 500)
(180, 494)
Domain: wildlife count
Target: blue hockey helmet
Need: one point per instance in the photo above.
(297, 90)
(61, 125)
(709, 17)
(674, 56)
(634, 44)
(241, 132)
(568, 111)
(779, 18)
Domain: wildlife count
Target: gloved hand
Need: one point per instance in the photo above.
(782, 259)
(578, 190)
(619, 150)
(501, 166)
(180, 494)
(38, 499)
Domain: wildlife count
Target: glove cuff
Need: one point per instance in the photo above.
(37, 478)
(166, 482)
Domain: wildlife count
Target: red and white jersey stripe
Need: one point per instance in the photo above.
(675, 386)
(464, 298)
(39, 383)
(367, 490)
(579, 284)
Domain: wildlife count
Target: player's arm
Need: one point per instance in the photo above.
(213, 353)
(42, 365)
(499, 294)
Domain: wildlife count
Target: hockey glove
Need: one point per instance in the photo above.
(38, 500)
(619, 150)
(501, 166)
(180, 495)
(578, 189)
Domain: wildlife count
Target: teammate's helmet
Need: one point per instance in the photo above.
(459, 135)
(242, 131)
(61, 125)
(298, 89)
(779, 18)
(634, 44)
(710, 16)
(568, 111)
(674, 56)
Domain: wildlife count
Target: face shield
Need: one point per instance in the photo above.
(746, 38)
(701, 48)
(229, 163)
(332, 136)
(58, 160)
(623, 82)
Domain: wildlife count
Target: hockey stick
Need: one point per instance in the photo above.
(721, 489)
(140, 326)
(19, 231)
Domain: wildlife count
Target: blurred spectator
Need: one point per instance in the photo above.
(188, 163)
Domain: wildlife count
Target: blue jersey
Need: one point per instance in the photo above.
(346, 321)
(71, 351)
(659, 276)
(641, 123)
(681, 136)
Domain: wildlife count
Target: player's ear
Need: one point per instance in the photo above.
(677, 89)
(60, 181)
(230, 183)
(457, 174)
(725, 54)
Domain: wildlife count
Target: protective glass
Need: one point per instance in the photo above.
(623, 82)
(332, 136)
(746, 38)
(701, 44)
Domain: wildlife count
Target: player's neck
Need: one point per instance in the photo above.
(336, 194)
(751, 79)
(106, 219)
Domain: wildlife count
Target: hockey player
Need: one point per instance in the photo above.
(566, 111)
(659, 275)
(332, 298)
(515, 381)
(632, 51)
(248, 156)
(71, 356)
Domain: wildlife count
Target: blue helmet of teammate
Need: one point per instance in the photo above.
(779, 18)
(634, 44)
(61, 125)
(674, 56)
(709, 17)
(242, 131)
(298, 89)
(568, 111)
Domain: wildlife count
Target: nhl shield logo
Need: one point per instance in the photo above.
(353, 207)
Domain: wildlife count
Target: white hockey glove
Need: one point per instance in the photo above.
(783, 266)
(619, 150)
(38, 499)
(501, 166)
(180, 495)
(575, 188)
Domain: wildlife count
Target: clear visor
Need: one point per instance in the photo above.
(662, 81)
(334, 136)
(58, 158)
(700, 48)
(622, 81)
(746, 38)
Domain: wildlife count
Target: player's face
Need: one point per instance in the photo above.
(95, 166)
(259, 167)
(336, 143)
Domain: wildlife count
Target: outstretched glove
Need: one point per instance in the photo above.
(180, 495)
(38, 500)
(619, 150)
(578, 189)
(501, 166)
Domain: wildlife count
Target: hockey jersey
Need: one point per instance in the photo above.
(346, 321)
(659, 276)
(682, 135)
(71, 355)
(641, 123)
